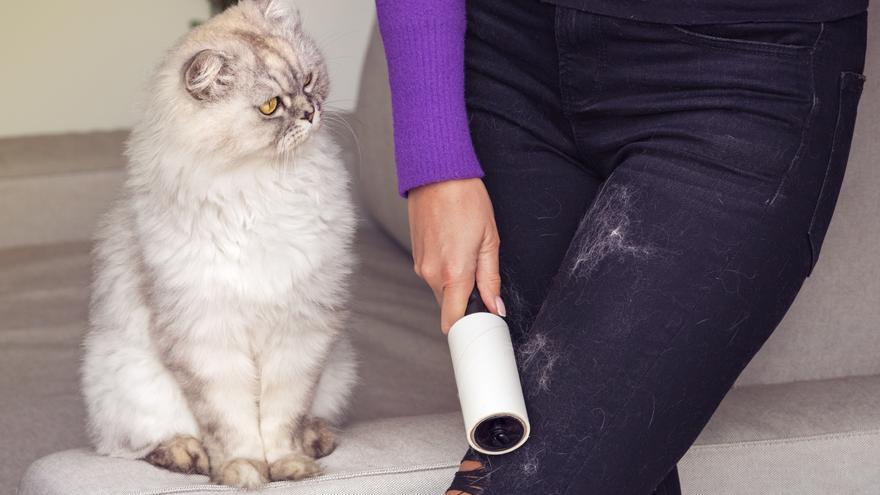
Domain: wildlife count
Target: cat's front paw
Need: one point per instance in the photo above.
(293, 467)
(181, 454)
(243, 473)
(318, 438)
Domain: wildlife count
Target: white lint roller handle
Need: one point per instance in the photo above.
(488, 382)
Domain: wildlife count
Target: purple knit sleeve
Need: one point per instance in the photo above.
(424, 46)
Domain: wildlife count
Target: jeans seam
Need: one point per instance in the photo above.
(564, 94)
(835, 144)
(560, 64)
(599, 29)
(808, 125)
(780, 49)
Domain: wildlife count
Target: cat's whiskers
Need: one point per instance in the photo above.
(335, 118)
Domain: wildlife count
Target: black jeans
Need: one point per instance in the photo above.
(661, 193)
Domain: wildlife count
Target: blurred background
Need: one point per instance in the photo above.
(77, 66)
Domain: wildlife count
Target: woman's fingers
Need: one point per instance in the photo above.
(455, 298)
(488, 276)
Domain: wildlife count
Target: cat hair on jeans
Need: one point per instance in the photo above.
(217, 340)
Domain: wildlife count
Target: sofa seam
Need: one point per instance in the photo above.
(306, 482)
(787, 441)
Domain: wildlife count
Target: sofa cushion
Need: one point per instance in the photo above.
(807, 438)
(803, 438)
(377, 178)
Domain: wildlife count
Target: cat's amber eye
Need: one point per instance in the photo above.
(269, 106)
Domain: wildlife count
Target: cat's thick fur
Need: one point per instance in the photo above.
(217, 333)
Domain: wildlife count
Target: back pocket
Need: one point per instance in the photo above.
(851, 84)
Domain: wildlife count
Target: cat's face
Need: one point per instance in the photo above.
(255, 82)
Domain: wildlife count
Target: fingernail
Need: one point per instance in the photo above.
(499, 305)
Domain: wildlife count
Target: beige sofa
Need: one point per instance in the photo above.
(804, 418)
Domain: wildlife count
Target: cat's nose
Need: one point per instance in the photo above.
(309, 114)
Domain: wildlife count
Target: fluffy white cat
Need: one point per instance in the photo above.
(217, 326)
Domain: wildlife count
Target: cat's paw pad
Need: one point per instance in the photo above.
(318, 438)
(243, 473)
(182, 454)
(293, 467)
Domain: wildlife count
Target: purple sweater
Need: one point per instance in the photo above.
(424, 46)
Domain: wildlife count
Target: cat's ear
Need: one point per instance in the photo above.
(209, 75)
(281, 12)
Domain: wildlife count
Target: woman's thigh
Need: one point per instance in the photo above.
(660, 301)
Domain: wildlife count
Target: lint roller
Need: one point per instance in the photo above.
(488, 384)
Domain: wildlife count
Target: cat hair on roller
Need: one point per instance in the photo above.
(489, 389)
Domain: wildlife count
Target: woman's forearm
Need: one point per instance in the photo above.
(424, 46)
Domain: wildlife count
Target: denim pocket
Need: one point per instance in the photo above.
(851, 84)
(784, 38)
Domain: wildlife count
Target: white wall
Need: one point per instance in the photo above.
(342, 29)
(75, 66)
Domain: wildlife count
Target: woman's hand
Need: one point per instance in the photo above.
(455, 241)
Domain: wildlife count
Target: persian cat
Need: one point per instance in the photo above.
(217, 337)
